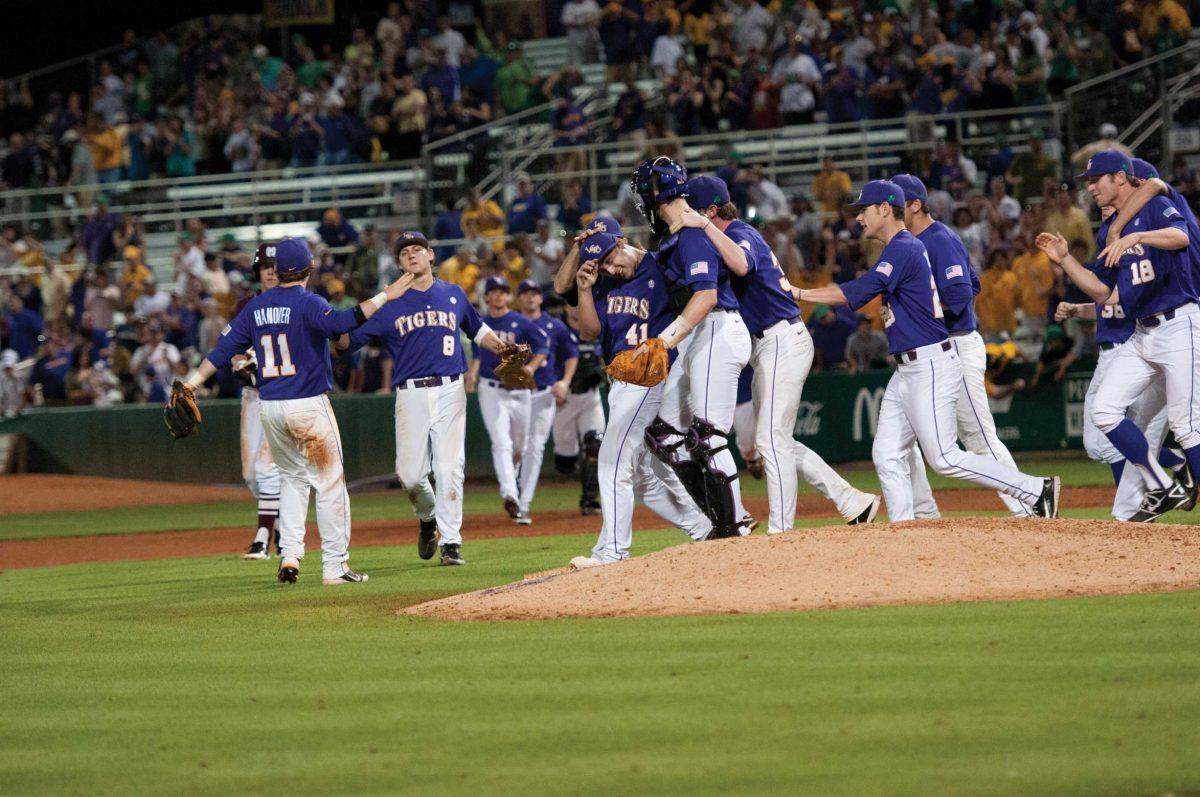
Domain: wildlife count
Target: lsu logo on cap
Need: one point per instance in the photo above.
(954, 271)
(1089, 166)
(699, 267)
(594, 249)
(599, 226)
(884, 268)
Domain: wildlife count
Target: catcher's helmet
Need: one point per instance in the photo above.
(655, 182)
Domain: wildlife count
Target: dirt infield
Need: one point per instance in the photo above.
(942, 561)
(33, 493)
(401, 531)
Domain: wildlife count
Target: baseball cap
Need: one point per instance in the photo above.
(528, 286)
(292, 255)
(912, 186)
(411, 239)
(1144, 170)
(496, 282)
(607, 224)
(1106, 161)
(9, 358)
(597, 246)
(877, 192)
(704, 191)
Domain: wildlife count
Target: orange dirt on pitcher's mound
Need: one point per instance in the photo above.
(831, 567)
(40, 492)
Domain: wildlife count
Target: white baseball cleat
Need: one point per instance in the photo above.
(584, 562)
(523, 519)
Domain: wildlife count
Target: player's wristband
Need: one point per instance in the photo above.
(378, 300)
(679, 329)
(484, 331)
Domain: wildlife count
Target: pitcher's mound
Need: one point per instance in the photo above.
(959, 559)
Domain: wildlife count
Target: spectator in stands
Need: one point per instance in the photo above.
(574, 208)
(797, 73)
(56, 292)
(461, 269)
(1030, 168)
(516, 85)
(24, 327)
(843, 97)
(450, 42)
(617, 31)
(511, 261)
(1107, 140)
(765, 196)
(1069, 220)
(83, 169)
(526, 208)
(830, 334)
(134, 274)
(570, 130)
(189, 261)
(182, 320)
(241, 148)
(478, 73)
(975, 234)
(1004, 211)
(336, 230)
(750, 26)
(999, 297)
(1058, 354)
(271, 133)
(216, 282)
(12, 386)
(178, 144)
(20, 164)
(1036, 278)
(545, 254)
(234, 256)
(154, 364)
(151, 302)
(362, 267)
(105, 143)
(49, 374)
(830, 186)
(581, 19)
(1157, 14)
(98, 233)
(867, 348)
(305, 136)
(885, 89)
(101, 300)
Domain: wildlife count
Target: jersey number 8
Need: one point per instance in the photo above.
(448, 345)
(1141, 271)
(285, 367)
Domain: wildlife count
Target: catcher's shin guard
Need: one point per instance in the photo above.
(704, 441)
(664, 442)
(589, 472)
(565, 465)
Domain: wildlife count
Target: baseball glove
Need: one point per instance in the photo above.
(511, 370)
(181, 413)
(646, 365)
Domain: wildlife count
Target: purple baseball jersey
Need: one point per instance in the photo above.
(904, 278)
(1152, 280)
(952, 273)
(556, 333)
(689, 260)
(760, 294)
(1112, 325)
(512, 327)
(632, 310)
(421, 331)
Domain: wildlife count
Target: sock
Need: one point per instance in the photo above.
(1193, 459)
(1117, 469)
(268, 513)
(262, 536)
(1168, 459)
(1130, 441)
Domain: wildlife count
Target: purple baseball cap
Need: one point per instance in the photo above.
(606, 224)
(496, 282)
(292, 255)
(912, 186)
(597, 247)
(411, 239)
(1106, 161)
(877, 192)
(1144, 170)
(528, 286)
(704, 191)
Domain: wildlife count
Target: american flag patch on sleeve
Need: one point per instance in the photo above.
(228, 328)
(699, 267)
(954, 271)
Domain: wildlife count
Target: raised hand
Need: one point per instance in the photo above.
(399, 287)
(1054, 245)
(586, 276)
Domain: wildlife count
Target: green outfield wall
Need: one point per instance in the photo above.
(837, 419)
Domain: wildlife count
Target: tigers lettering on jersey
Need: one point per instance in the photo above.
(628, 305)
(429, 318)
(640, 308)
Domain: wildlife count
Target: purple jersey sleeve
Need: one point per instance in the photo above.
(862, 290)
(699, 260)
(469, 319)
(235, 339)
(567, 347)
(331, 322)
(538, 341)
(376, 325)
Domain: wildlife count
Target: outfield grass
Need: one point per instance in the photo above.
(203, 676)
(392, 504)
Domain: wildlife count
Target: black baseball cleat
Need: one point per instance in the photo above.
(511, 507)
(347, 577)
(1187, 480)
(289, 570)
(1047, 504)
(427, 540)
(257, 550)
(452, 555)
(868, 514)
(719, 533)
(589, 507)
(1159, 502)
(757, 467)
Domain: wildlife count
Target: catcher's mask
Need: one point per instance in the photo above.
(655, 182)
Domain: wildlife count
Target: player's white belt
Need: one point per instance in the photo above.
(1159, 318)
(912, 355)
(779, 326)
(427, 381)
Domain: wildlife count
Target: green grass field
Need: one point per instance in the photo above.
(205, 676)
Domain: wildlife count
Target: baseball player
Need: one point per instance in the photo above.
(691, 431)
(957, 286)
(552, 381)
(1150, 278)
(422, 333)
(564, 278)
(921, 400)
(623, 294)
(579, 419)
(505, 410)
(258, 469)
(290, 329)
(781, 355)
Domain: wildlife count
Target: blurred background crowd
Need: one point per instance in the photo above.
(219, 97)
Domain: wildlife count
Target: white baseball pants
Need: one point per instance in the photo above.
(743, 429)
(579, 414)
(258, 469)
(307, 446)
(921, 405)
(782, 359)
(506, 416)
(627, 471)
(431, 430)
(541, 419)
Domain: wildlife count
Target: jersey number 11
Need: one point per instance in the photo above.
(269, 368)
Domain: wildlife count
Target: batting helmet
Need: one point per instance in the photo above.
(264, 257)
